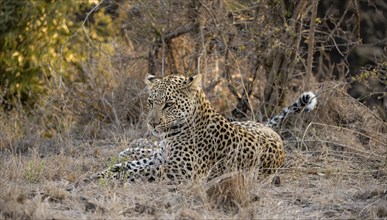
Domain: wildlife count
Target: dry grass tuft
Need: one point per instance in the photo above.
(229, 191)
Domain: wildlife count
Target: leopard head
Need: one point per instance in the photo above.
(172, 102)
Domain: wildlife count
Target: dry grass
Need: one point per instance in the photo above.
(336, 168)
(336, 164)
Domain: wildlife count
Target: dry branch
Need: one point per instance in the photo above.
(311, 44)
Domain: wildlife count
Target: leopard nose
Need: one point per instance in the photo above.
(154, 119)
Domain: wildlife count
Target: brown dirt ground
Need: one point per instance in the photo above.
(336, 168)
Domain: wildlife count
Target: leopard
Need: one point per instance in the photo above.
(196, 140)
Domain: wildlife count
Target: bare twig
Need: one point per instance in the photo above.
(357, 15)
(311, 43)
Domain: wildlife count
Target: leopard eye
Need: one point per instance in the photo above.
(168, 104)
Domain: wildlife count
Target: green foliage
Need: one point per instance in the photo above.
(376, 72)
(37, 40)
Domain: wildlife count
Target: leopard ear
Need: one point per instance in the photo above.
(195, 82)
(150, 80)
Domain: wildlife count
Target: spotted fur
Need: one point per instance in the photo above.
(197, 141)
(306, 102)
